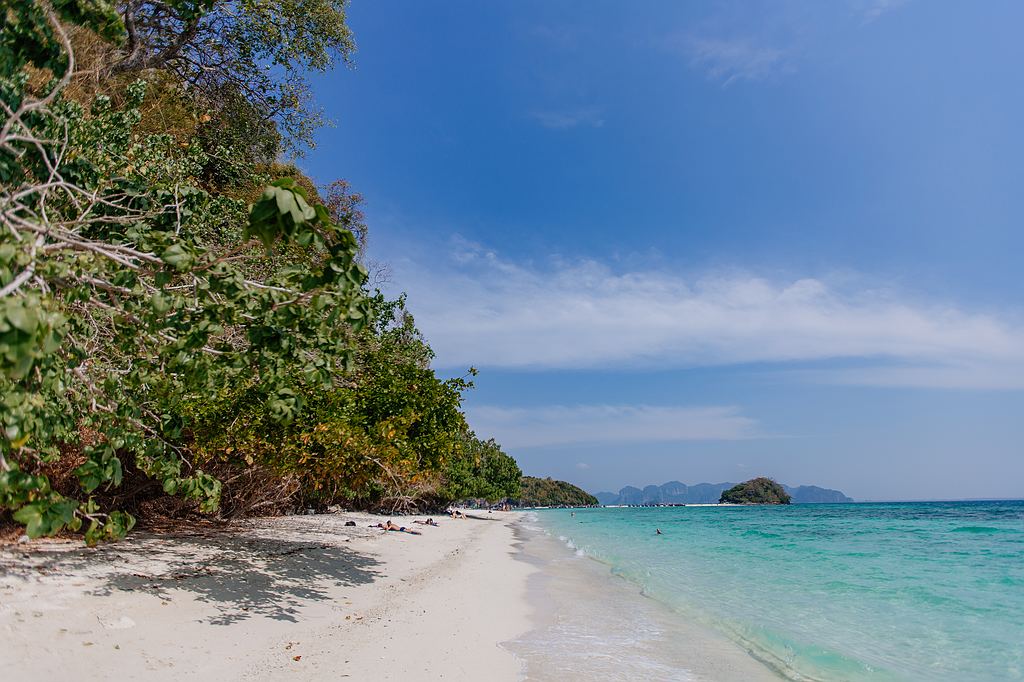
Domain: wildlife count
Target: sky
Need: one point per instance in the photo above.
(706, 241)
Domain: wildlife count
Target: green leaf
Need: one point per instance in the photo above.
(31, 516)
(22, 318)
(90, 475)
(176, 256)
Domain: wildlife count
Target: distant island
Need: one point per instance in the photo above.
(547, 492)
(755, 491)
(675, 492)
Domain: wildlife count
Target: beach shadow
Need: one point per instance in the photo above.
(241, 575)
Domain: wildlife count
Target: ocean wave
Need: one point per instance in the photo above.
(978, 529)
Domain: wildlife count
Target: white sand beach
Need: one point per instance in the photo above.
(300, 597)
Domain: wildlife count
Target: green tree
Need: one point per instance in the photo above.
(480, 470)
(113, 310)
(241, 58)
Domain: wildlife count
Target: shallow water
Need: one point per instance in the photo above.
(591, 625)
(904, 591)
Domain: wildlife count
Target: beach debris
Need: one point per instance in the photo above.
(296, 658)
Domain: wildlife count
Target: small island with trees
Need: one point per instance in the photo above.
(755, 491)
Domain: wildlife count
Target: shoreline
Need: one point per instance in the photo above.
(306, 597)
(590, 623)
(301, 597)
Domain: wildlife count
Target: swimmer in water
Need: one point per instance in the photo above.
(658, 531)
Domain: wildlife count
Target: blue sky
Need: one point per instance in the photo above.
(706, 241)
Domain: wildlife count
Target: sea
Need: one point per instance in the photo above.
(868, 591)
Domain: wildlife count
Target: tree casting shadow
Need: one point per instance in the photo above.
(242, 575)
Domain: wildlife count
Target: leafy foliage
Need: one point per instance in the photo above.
(246, 56)
(391, 435)
(173, 319)
(547, 492)
(756, 491)
(482, 471)
(114, 311)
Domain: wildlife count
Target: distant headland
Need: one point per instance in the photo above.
(547, 492)
(675, 492)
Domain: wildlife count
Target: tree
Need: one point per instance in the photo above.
(245, 57)
(480, 470)
(113, 312)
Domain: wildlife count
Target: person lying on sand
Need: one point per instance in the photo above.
(428, 522)
(456, 513)
(397, 529)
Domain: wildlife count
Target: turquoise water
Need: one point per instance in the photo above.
(901, 591)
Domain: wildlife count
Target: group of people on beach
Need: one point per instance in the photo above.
(391, 526)
(388, 525)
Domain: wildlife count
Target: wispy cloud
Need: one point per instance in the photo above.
(757, 43)
(480, 309)
(732, 60)
(563, 120)
(873, 9)
(563, 425)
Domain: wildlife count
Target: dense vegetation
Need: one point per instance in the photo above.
(755, 491)
(186, 322)
(547, 492)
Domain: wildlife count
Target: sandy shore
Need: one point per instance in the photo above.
(590, 624)
(302, 597)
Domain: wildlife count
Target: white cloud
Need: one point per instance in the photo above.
(563, 120)
(479, 309)
(562, 425)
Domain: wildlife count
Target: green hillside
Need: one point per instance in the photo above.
(547, 492)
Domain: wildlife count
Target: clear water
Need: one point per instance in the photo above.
(901, 591)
